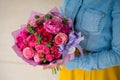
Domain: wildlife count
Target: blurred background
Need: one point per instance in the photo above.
(13, 13)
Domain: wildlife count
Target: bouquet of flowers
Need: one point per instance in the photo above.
(46, 38)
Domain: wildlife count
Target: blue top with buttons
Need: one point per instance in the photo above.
(99, 22)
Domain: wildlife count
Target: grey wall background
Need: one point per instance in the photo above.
(13, 13)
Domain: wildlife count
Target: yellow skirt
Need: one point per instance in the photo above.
(112, 73)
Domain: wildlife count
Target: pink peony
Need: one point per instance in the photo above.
(28, 53)
(60, 38)
(37, 58)
(49, 57)
(42, 49)
(52, 26)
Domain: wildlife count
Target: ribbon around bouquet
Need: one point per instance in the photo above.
(68, 49)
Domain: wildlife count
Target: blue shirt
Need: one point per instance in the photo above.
(99, 22)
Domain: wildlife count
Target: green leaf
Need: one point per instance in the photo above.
(25, 42)
(37, 42)
(31, 29)
(37, 16)
(44, 60)
(65, 21)
(49, 44)
(39, 37)
(39, 22)
(54, 71)
(57, 68)
(47, 16)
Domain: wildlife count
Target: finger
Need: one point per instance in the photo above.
(60, 63)
(46, 67)
(49, 66)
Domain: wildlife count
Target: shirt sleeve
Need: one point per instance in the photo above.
(105, 58)
(62, 7)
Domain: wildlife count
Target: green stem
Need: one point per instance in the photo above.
(55, 69)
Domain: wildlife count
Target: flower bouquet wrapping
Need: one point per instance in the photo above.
(46, 39)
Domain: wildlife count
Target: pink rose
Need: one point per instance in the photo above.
(52, 26)
(37, 58)
(28, 53)
(60, 38)
(49, 57)
(42, 49)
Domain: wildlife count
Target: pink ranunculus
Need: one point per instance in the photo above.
(49, 57)
(66, 29)
(57, 55)
(21, 46)
(42, 49)
(54, 49)
(52, 26)
(31, 40)
(33, 23)
(60, 38)
(32, 44)
(19, 39)
(20, 43)
(46, 37)
(37, 58)
(40, 29)
(24, 34)
(28, 53)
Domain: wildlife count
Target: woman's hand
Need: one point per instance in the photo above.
(51, 66)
